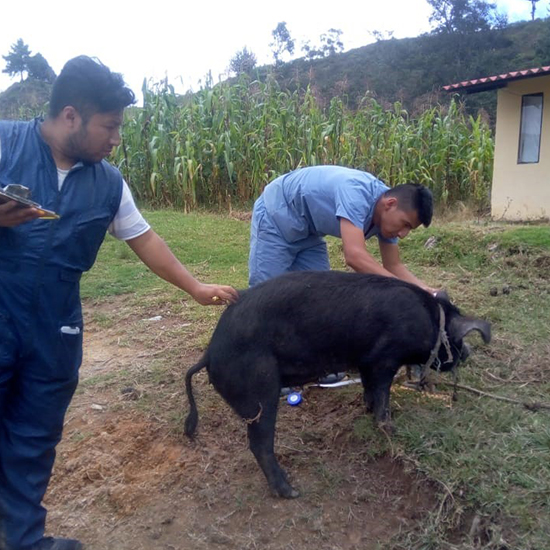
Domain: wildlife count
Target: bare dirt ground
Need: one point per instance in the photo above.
(126, 479)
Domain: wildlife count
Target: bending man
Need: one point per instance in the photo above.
(296, 210)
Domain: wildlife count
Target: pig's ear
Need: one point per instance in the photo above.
(461, 326)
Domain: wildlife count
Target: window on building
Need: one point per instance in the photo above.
(531, 128)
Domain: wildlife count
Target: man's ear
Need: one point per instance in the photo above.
(70, 116)
(391, 202)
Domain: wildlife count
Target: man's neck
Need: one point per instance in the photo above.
(379, 206)
(50, 135)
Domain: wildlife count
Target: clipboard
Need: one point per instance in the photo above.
(21, 195)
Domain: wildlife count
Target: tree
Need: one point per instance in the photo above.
(281, 42)
(464, 16)
(379, 36)
(243, 61)
(39, 69)
(542, 45)
(17, 59)
(331, 42)
(20, 61)
(310, 52)
(533, 8)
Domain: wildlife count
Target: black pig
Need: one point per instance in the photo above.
(301, 326)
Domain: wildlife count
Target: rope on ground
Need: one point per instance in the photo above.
(533, 406)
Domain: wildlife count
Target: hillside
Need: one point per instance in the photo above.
(24, 100)
(409, 70)
(412, 70)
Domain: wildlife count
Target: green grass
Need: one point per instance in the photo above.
(524, 238)
(488, 459)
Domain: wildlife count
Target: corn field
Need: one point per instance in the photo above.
(222, 145)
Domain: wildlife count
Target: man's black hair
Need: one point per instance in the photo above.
(414, 196)
(90, 87)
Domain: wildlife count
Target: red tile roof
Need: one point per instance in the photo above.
(497, 81)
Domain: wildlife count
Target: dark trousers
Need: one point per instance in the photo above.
(40, 354)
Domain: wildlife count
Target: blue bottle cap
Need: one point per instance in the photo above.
(294, 398)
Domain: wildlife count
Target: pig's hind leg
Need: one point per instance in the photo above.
(257, 403)
(261, 436)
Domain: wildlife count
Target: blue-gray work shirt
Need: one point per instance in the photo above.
(311, 201)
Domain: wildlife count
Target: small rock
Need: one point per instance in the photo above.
(219, 538)
(506, 289)
(475, 527)
(130, 393)
(431, 242)
(493, 291)
(155, 318)
(96, 407)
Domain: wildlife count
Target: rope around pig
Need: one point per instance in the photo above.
(442, 338)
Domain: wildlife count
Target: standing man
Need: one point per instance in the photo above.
(297, 209)
(62, 161)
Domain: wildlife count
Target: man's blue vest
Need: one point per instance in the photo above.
(87, 203)
(41, 317)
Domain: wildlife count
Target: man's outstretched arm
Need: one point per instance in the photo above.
(156, 255)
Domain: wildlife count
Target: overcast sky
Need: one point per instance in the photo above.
(185, 40)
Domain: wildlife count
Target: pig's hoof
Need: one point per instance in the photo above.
(387, 427)
(293, 494)
(286, 492)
